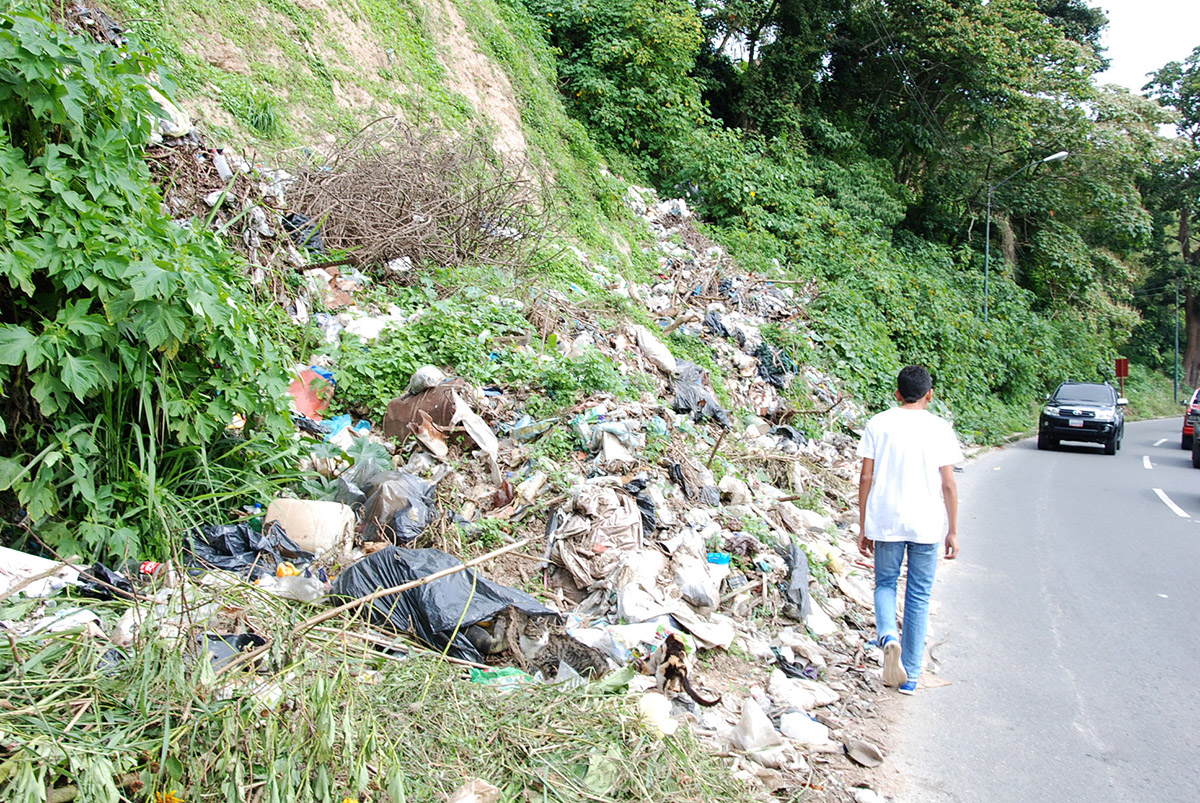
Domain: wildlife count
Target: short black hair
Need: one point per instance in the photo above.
(913, 383)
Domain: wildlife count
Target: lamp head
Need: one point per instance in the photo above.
(1056, 157)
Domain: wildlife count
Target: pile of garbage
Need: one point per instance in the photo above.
(695, 548)
(676, 527)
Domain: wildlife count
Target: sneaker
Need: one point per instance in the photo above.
(907, 687)
(893, 670)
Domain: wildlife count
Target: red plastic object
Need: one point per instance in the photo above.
(312, 393)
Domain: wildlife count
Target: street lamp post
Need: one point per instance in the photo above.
(987, 242)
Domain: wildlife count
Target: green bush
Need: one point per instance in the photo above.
(127, 345)
(626, 69)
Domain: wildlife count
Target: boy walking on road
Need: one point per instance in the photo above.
(908, 502)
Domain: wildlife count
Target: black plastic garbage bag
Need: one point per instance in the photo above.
(438, 613)
(691, 396)
(713, 322)
(789, 432)
(793, 669)
(224, 648)
(675, 472)
(399, 507)
(637, 489)
(238, 548)
(356, 482)
(774, 365)
(304, 232)
(99, 571)
(798, 605)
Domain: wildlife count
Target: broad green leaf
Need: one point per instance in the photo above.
(16, 344)
(147, 280)
(10, 471)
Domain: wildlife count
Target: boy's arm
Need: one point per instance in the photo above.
(865, 545)
(950, 495)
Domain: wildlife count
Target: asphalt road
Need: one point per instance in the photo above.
(1068, 630)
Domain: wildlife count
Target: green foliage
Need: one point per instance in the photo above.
(253, 107)
(558, 444)
(127, 347)
(454, 333)
(459, 334)
(489, 533)
(626, 67)
(567, 380)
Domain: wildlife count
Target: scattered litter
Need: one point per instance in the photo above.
(311, 391)
(475, 791)
(33, 576)
(238, 548)
(438, 612)
(315, 527)
(399, 508)
(863, 752)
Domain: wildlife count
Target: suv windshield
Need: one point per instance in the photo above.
(1094, 394)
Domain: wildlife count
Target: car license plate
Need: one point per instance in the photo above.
(1075, 422)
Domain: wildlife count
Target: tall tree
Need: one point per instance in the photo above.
(1177, 86)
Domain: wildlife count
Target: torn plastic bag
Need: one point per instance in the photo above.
(224, 648)
(675, 472)
(358, 481)
(99, 571)
(798, 605)
(438, 613)
(774, 365)
(399, 508)
(238, 548)
(437, 401)
(789, 432)
(691, 395)
(304, 232)
(713, 323)
(637, 488)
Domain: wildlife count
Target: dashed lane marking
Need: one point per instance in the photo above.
(1146, 461)
(1176, 509)
(1160, 441)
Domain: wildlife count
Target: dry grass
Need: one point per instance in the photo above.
(323, 716)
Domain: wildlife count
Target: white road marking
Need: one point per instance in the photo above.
(1164, 596)
(1160, 441)
(1176, 509)
(1146, 461)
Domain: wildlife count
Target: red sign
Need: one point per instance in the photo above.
(1122, 368)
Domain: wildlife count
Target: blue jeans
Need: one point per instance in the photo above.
(918, 586)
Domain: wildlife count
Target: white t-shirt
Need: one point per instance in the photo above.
(909, 448)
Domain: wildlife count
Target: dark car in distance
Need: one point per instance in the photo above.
(1189, 420)
(1091, 412)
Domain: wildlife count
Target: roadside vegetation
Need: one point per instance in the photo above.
(846, 151)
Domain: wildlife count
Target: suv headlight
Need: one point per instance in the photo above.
(1050, 410)
(1104, 415)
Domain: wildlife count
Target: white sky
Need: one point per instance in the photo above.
(1143, 35)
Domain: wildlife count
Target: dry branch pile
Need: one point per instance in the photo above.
(398, 194)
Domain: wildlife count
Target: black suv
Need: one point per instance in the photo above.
(1083, 411)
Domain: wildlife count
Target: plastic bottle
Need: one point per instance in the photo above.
(256, 518)
(222, 166)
